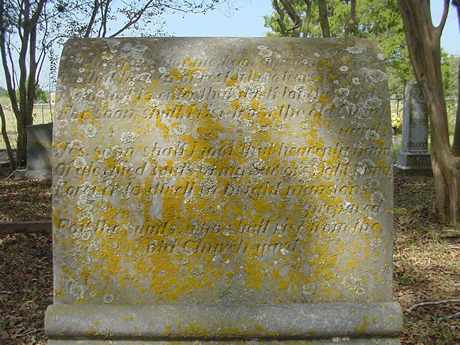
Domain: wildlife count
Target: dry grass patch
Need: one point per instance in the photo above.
(427, 267)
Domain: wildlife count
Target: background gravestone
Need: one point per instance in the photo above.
(414, 155)
(222, 190)
(39, 153)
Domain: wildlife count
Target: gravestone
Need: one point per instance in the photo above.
(222, 191)
(413, 155)
(39, 150)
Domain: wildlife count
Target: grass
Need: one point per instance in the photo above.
(42, 114)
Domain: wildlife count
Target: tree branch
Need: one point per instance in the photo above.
(101, 8)
(190, 8)
(31, 81)
(44, 47)
(40, 60)
(19, 16)
(353, 25)
(105, 17)
(448, 317)
(306, 24)
(6, 140)
(324, 18)
(6, 69)
(442, 23)
(280, 20)
(134, 19)
(292, 13)
(10, 56)
(22, 64)
(38, 12)
(455, 300)
(92, 18)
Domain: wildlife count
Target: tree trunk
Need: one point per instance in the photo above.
(423, 41)
(280, 20)
(291, 12)
(21, 144)
(307, 20)
(23, 121)
(6, 140)
(456, 145)
(324, 18)
(353, 25)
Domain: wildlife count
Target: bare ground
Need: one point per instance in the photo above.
(427, 266)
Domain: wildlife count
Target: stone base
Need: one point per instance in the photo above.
(331, 341)
(416, 162)
(293, 324)
(41, 175)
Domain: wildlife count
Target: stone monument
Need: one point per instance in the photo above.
(222, 191)
(413, 155)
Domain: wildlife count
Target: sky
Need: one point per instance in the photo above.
(248, 21)
(244, 18)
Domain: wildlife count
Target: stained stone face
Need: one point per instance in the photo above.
(39, 151)
(229, 172)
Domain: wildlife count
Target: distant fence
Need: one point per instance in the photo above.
(43, 113)
(397, 105)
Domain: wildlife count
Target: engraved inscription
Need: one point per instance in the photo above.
(180, 170)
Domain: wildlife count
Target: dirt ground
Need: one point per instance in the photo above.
(427, 266)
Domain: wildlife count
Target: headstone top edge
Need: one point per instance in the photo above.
(357, 48)
(338, 42)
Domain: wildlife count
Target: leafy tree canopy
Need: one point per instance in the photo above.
(41, 96)
(378, 20)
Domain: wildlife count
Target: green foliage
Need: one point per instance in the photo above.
(449, 69)
(378, 20)
(449, 65)
(396, 122)
(310, 28)
(41, 96)
(3, 92)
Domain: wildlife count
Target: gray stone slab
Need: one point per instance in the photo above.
(197, 180)
(39, 151)
(414, 155)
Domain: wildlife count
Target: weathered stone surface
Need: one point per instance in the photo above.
(228, 174)
(414, 153)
